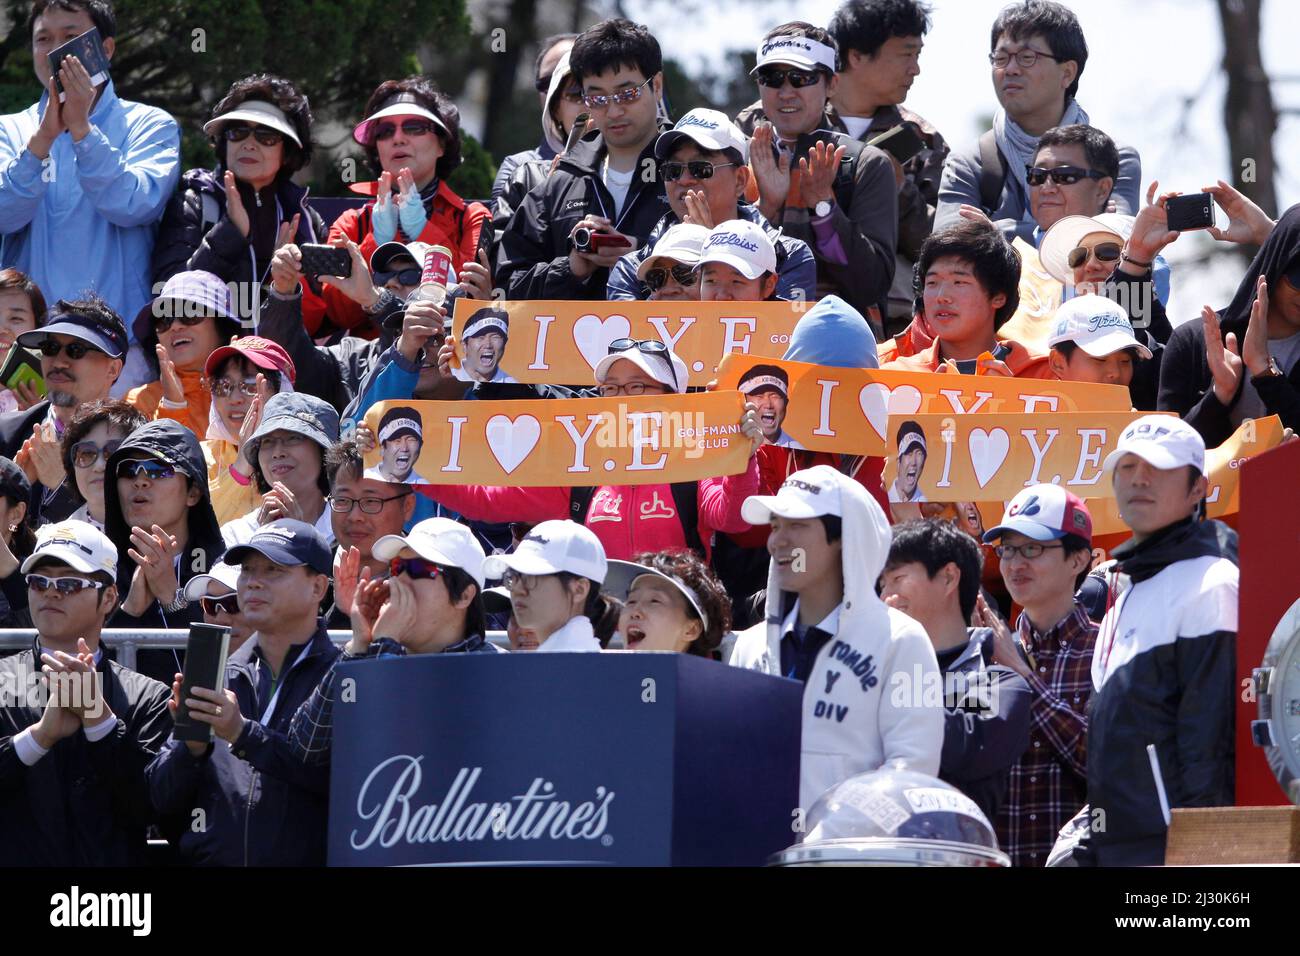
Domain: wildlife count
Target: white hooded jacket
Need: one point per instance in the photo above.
(860, 708)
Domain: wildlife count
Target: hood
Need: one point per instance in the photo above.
(1184, 541)
(866, 538)
(586, 155)
(1278, 251)
(835, 334)
(175, 444)
(550, 129)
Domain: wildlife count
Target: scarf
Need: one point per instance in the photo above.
(1018, 147)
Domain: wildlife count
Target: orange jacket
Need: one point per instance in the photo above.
(453, 223)
(1022, 362)
(194, 416)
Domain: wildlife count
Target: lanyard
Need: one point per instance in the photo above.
(278, 686)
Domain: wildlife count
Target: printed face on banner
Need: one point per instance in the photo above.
(582, 441)
(560, 343)
(767, 386)
(849, 410)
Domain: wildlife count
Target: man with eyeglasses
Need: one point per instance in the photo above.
(819, 185)
(83, 345)
(605, 188)
(84, 180)
(702, 161)
(1044, 546)
(261, 805)
(1037, 52)
(75, 743)
(671, 271)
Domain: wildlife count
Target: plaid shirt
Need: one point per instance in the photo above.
(1049, 783)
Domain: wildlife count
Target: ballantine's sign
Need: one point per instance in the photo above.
(386, 802)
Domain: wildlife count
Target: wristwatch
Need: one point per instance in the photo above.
(179, 602)
(823, 209)
(1271, 372)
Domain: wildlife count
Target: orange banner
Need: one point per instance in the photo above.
(581, 441)
(851, 409)
(560, 343)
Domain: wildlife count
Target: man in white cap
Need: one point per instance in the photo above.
(671, 271)
(217, 593)
(74, 744)
(837, 194)
(863, 665)
(1093, 341)
(1164, 665)
(738, 264)
(702, 162)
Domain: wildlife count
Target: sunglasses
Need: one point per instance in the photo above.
(412, 127)
(226, 604)
(65, 586)
(415, 568)
(657, 278)
(775, 79)
(699, 169)
(370, 506)
(267, 137)
(403, 276)
(86, 453)
(76, 349)
(161, 323)
(1061, 175)
(1102, 252)
(153, 470)
(600, 101)
(224, 387)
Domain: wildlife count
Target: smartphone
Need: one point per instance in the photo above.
(902, 142)
(318, 260)
(1190, 212)
(22, 365)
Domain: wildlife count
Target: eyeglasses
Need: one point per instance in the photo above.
(1102, 252)
(152, 469)
(775, 79)
(1028, 551)
(411, 127)
(657, 278)
(223, 387)
(64, 586)
(161, 323)
(286, 440)
(370, 505)
(75, 349)
(512, 579)
(699, 169)
(600, 101)
(646, 347)
(403, 276)
(267, 137)
(86, 453)
(1026, 58)
(1061, 175)
(226, 604)
(415, 568)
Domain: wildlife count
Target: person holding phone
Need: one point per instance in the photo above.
(92, 226)
(22, 309)
(229, 220)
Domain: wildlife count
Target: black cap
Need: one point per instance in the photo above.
(286, 541)
(14, 483)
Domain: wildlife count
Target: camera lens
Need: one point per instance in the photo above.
(582, 239)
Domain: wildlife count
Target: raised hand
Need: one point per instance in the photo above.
(235, 210)
(771, 171)
(172, 389)
(79, 97)
(422, 321)
(818, 170)
(697, 209)
(1247, 223)
(347, 568)
(46, 455)
(1254, 350)
(1222, 356)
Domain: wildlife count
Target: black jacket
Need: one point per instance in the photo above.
(176, 444)
(261, 805)
(986, 721)
(1186, 386)
(1166, 653)
(533, 261)
(1137, 296)
(83, 803)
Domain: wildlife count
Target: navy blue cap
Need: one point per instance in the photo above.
(286, 541)
(108, 340)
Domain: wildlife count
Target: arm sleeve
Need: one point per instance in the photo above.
(797, 277)
(130, 186)
(22, 187)
(720, 499)
(986, 736)
(391, 378)
(281, 321)
(1207, 666)
(1184, 388)
(271, 752)
(911, 731)
(1280, 398)
(500, 503)
(173, 778)
(868, 231)
(959, 184)
(122, 756)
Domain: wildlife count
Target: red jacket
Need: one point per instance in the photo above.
(453, 223)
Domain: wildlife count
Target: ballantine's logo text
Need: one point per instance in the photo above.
(385, 803)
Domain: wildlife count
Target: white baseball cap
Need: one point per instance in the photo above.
(623, 574)
(551, 547)
(709, 129)
(665, 367)
(803, 52)
(681, 243)
(743, 245)
(1066, 234)
(255, 111)
(227, 575)
(810, 493)
(1097, 325)
(78, 544)
(1162, 441)
(439, 540)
